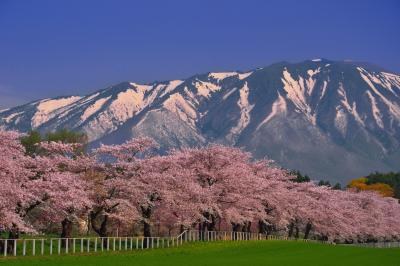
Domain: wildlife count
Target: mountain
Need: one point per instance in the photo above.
(333, 120)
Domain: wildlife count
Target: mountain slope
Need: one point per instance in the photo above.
(331, 119)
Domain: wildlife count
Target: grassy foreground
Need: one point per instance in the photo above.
(250, 253)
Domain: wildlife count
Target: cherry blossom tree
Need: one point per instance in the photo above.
(59, 181)
(197, 186)
(226, 179)
(41, 189)
(14, 173)
(117, 183)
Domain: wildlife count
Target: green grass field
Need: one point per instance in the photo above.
(249, 253)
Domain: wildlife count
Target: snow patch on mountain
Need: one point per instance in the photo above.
(191, 95)
(392, 80)
(375, 110)
(394, 108)
(221, 75)
(312, 72)
(92, 109)
(141, 88)
(351, 109)
(245, 75)
(245, 109)
(296, 93)
(88, 98)
(184, 109)
(100, 125)
(11, 117)
(341, 120)
(206, 88)
(48, 109)
(171, 86)
(278, 107)
(311, 81)
(381, 79)
(324, 86)
(229, 93)
(127, 104)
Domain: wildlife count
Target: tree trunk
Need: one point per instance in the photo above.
(146, 234)
(89, 225)
(211, 225)
(146, 229)
(291, 227)
(307, 230)
(101, 229)
(66, 230)
(235, 229)
(297, 232)
(262, 227)
(201, 231)
(247, 227)
(146, 214)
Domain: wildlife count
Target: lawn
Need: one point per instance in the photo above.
(248, 253)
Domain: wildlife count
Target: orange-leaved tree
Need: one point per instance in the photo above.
(360, 184)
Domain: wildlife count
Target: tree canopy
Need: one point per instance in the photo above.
(211, 188)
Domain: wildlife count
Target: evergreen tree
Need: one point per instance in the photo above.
(33, 138)
(324, 183)
(299, 177)
(337, 186)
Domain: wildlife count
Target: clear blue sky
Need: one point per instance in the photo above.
(50, 48)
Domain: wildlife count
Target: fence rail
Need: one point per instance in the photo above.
(59, 246)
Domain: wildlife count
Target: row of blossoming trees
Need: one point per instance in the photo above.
(208, 189)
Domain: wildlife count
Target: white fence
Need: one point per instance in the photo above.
(58, 246)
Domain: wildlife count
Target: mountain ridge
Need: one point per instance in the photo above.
(331, 119)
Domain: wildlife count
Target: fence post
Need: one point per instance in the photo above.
(59, 246)
(51, 246)
(5, 247)
(95, 244)
(88, 245)
(15, 247)
(33, 247)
